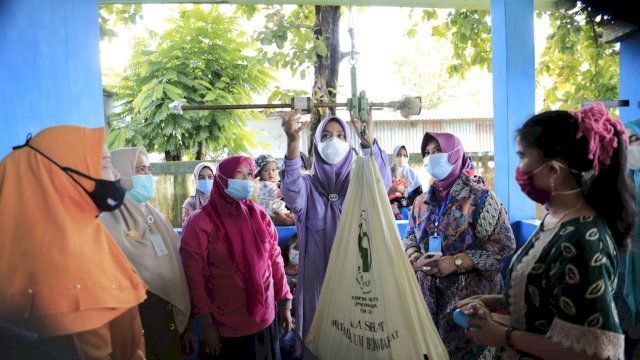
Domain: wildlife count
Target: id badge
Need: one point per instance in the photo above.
(158, 245)
(435, 244)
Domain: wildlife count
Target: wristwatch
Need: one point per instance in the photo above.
(458, 261)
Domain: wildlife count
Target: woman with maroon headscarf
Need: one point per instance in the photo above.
(457, 239)
(234, 269)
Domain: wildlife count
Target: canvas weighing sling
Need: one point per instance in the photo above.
(370, 306)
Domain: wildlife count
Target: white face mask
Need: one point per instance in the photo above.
(437, 165)
(294, 256)
(402, 161)
(333, 150)
(633, 157)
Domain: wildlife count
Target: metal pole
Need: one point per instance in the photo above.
(268, 106)
(236, 107)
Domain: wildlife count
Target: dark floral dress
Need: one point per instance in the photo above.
(474, 222)
(561, 285)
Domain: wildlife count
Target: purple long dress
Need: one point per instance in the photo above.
(316, 200)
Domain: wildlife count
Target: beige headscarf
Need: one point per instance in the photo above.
(130, 227)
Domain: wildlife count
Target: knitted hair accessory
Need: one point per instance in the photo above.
(599, 127)
(261, 160)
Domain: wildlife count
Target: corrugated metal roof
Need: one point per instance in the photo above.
(476, 134)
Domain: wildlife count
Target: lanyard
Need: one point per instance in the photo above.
(439, 213)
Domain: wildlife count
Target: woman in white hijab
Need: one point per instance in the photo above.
(203, 173)
(401, 159)
(152, 246)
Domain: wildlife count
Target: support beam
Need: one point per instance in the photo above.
(543, 5)
(50, 73)
(629, 75)
(618, 31)
(513, 65)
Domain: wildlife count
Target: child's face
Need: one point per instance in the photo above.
(395, 174)
(268, 172)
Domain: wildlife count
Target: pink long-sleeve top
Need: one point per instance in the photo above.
(216, 287)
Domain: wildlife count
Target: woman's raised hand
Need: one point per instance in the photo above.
(357, 125)
(291, 127)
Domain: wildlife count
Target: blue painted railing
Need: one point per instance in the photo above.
(522, 230)
(285, 232)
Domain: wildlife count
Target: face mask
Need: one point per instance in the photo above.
(107, 195)
(239, 189)
(528, 188)
(633, 157)
(143, 188)
(205, 186)
(437, 165)
(402, 161)
(294, 256)
(333, 150)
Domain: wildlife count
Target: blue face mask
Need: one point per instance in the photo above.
(205, 186)
(143, 188)
(239, 189)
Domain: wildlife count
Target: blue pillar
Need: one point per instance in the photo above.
(49, 67)
(629, 75)
(513, 65)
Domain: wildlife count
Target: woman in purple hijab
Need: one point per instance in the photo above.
(316, 200)
(457, 239)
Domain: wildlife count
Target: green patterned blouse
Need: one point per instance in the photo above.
(561, 284)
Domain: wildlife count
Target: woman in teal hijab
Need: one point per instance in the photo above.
(629, 277)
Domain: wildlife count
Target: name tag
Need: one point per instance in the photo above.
(158, 245)
(435, 244)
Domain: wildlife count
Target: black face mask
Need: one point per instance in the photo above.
(107, 195)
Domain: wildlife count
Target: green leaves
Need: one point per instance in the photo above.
(279, 95)
(321, 49)
(111, 16)
(287, 37)
(201, 58)
(575, 65)
(470, 33)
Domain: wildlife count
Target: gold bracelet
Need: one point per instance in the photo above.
(413, 252)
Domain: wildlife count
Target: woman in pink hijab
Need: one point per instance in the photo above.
(457, 238)
(234, 269)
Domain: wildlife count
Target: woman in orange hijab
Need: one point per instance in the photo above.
(62, 277)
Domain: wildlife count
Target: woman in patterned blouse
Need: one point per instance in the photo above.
(560, 284)
(465, 227)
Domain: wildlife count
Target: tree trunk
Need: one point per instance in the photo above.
(169, 156)
(200, 151)
(327, 27)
